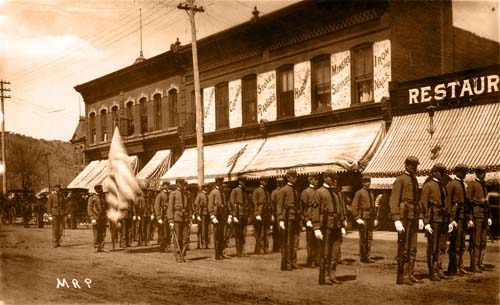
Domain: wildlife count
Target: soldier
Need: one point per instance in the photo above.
(329, 225)
(274, 201)
(461, 219)
(240, 205)
(436, 221)
(220, 211)
(39, 209)
(71, 209)
(55, 209)
(263, 216)
(179, 213)
(96, 209)
(142, 213)
(126, 223)
(289, 207)
(408, 219)
(364, 213)
(477, 195)
(202, 216)
(160, 210)
(306, 198)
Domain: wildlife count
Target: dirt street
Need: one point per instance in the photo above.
(30, 268)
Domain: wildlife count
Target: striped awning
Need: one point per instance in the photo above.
(84, 174)
(339, 148)
(155, 168)
(469, 135)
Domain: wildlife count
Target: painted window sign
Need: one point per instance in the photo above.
(302, 90)
(341, 80)
(235, 112)
(209, 109)
(266, 96)
(381, 69)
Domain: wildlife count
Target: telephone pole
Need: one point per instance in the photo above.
(191, 10)
(3, 97)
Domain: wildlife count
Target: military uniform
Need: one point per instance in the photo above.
(307, 200)
(179, 214)
(143, 212)
(56, 207)
(363, 208)
(276, 232)
(71, 208)
(220, 213)
(96, 209)
(239, 202)
(476, 192)
(263, 210)
(288, 201)
(404, 207)
(160, 210)
(201, 207)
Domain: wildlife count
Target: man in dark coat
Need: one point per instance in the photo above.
(221, 214)
(202, 216)
(274, 203)
(307, 200)
(263, 216)
(179, 214)
(96, 209)
(160, 211)
(55, 209)
(241, 208)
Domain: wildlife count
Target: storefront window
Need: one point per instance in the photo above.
(93, 134)
(362, 74)
(144, 114)
(157, 110)
(285, 92)
(130, 119)
(221, 106)
(104, 125)
(114, 117)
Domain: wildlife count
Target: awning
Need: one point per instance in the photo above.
(492, 178)
(155, 168)
(227, 160)
(83, 174)
(469, 135)
(339, 148)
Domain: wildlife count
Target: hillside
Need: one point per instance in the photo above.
(27, 162)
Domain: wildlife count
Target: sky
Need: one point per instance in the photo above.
(49, 46)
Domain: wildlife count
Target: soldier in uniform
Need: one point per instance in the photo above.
(289, 205)
(96, 209)
(71, 208)
(202, 216)
(436, 221)
(179, 214)
(460, 217)
(408, 219)
(329, 216)
(307, 200)
(220, 213)
(240, 205)
(263, 216)
(364, 213)
(477, 195)
(142, 213)
(126, 223)
(55, 209)
(274, 202)
(160, 211)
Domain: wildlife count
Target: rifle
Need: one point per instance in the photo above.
(322, 266)
(284, 252)
(181, 251)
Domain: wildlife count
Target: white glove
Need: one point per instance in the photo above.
(345, 223)
(214, 220)
(309, 224)
(343, 232)
(258, 218)
(450, 227)
(428, 228)
(375, 223)
(454, 223)
(160, 221)
(489, 222)
(138, 217)
(92, 221)
(50, 217)
(282, 225)
(45, 215)
(399, 226)
(171, 225)
(69, 216)
(198, 218)
(318, 234)
(470, 224)
(420, 224)
(193, 217)
(152, 217)
(229, 219)
(272, 218)
(133, 218)
(360, 222)
(235, 219)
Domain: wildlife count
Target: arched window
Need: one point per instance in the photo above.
(143, 108)
(157, 110)
(104, 125)
(115, 118)
(172, 108)
(93, 134)
(130, 119)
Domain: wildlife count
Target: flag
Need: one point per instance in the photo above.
(121, 186)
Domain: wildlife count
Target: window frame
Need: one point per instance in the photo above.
(367, 77)
(222, 106)
(143, 114)
(104, 125)
(247, 120)
(316, 62)
(173, 115)
(282, 112)
(157, 108)
(92, 127)
(129, 114)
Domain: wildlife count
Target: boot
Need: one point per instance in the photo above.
(333, 279)
(411, 275)
(442, 275)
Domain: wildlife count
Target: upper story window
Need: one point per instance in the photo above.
(321, 84)
(362, 74)
(93, 133)
(221, 106)
(115, 118)
(143, 109)
(104, 125)
(285, 92)
(249, 100)
(157, 110)
(172, 108)
(130, 119)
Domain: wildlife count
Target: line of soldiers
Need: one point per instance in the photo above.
(446, 206)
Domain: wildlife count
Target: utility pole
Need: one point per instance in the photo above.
(192, 9)
(3, 97)
(46, 155)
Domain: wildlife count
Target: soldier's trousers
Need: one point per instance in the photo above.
(480, 239)
(313, 253)
(292, 235)
(164, 235)
(261, 232)
(39, 219)
(331, 254)
(457, 247)
(436, 247)
(407, 246)
(57, 228)
(125, 232)
(276, 236)
(220, 240)
(99, 230)
(365, 239)
(204, 229)
(144, 234)
(71, 221)
(113, 230)
(240, 234)
(182, 232)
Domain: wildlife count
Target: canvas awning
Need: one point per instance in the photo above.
(469, 135)
(155, 168)
(340, 148)
(83, 174)
(226, 159)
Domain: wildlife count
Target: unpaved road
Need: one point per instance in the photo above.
(30, 267)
